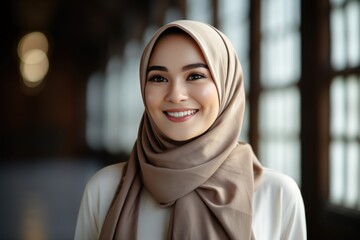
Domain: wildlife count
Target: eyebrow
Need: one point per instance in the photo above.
(157, 68)
(195, 65)
(187, 67)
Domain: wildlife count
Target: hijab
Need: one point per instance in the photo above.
(209, 181)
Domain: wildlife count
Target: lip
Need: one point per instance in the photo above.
(186, 112)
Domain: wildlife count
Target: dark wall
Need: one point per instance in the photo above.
(49, 120)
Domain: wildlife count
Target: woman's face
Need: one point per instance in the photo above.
(180, 94)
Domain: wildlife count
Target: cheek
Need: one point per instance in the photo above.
(208, 94)
(152, 98)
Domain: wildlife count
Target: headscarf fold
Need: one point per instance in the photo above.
(209, 181)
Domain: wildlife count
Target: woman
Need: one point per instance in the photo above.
(188, 177)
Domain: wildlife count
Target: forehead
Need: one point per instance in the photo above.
(178, 47)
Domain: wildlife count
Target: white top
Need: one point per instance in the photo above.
(278, 208)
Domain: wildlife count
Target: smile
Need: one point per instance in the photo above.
(181, 114)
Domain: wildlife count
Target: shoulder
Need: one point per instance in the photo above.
(100, 190)
(278, 201)
(278, 188)
(109, 173)
(105, 181)
(97, 197)
(278, 182)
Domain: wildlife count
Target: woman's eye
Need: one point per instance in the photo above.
(195, 76)
(157, 79)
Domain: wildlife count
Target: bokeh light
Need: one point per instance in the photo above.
(34, 64)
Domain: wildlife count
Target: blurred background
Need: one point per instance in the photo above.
(70, 100)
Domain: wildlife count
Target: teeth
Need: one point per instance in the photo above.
(181, 114)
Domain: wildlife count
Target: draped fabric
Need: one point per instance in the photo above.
(209, 181)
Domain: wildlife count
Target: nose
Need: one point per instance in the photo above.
(177, 92)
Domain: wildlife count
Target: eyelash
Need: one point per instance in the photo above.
(191, 77)
(196, 76)
(157, 78)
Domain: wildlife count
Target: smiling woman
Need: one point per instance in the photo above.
(188, 177)
(180, 94)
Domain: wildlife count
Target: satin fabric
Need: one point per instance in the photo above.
(208, 181)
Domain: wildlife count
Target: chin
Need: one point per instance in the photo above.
(181, 137)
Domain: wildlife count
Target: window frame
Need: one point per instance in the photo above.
(324, 220)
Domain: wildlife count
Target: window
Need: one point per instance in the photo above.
(234, 22)
(114, 105)
(279, 110)
(344, 150)
(200, 10)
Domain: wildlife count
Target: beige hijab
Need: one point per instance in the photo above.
(209, 181)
